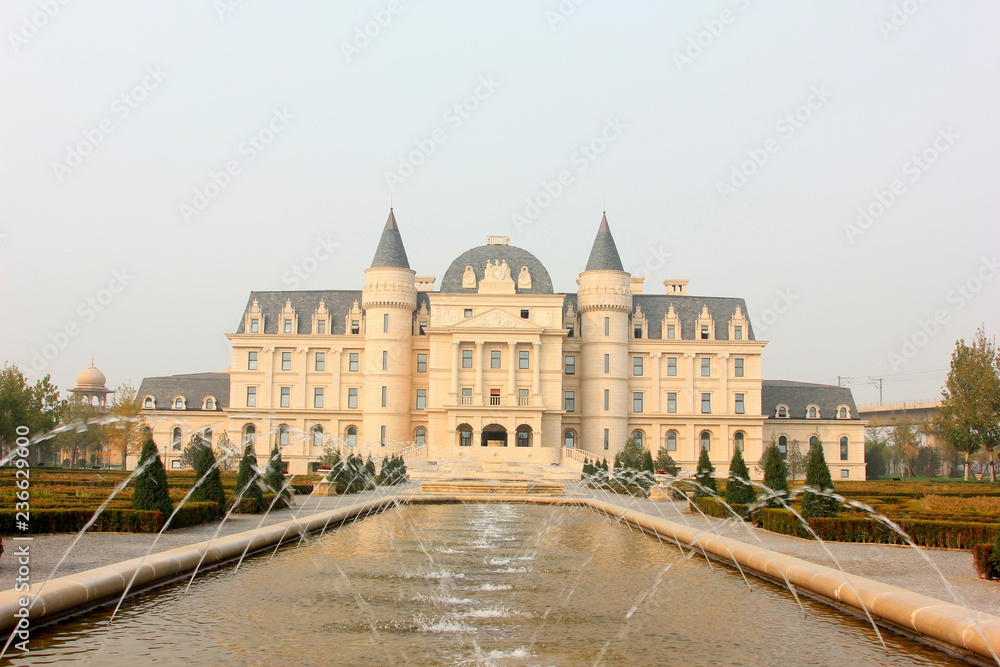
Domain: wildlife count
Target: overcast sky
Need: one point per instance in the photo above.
(162, 159)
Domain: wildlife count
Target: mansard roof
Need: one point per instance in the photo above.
(390, 251)
(338, 302)
(515, 257)
(604, 253)
(688, 309)
(194, 387)
(798, 396)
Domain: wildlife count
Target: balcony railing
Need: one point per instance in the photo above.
(501, 400)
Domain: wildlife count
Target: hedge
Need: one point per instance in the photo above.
(303, 489)
(251, 506)
(716, 508)
(111, 520)
(982, 559)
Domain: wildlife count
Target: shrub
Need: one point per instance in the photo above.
(704, 476)
(716, 508)
(775, 475)
(302, 488)
(739, 492)
(982, 560)
(247, 481)
(150, 485)
(818, 477)
(195, 513)
(210, 490)
(274, 473)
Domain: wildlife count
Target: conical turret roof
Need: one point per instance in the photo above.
(390, 251)
(604, 254)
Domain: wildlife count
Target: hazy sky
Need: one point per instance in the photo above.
(733, 143)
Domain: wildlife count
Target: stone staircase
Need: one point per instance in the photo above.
(491, 471)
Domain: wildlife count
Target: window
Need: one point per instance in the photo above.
(286, 397)
(385, 395)
(318, 397)
(175, 464)
(637, 331)
(283, 436)
(494, 397)
(421, 363)
(740, 407)
(569, 439)
(420, 437)
(288, 326)
(352, 363)
(522, 359)
(738, 367)
(706, 440)
(385, 323)
(607, 437)
(254, 325)
(813, 440)
(706, 403)
(251, 397)
(637, 436)
(813, 413)
(607, 363)
(468, 312)
(706, 367)
(249, 435)
(355, 328)
(320, 364)
(524, 314)
(783, 446)
(286, 361)
(738, 332)
(523, 438)
(175, 439)
(671, 441)
(570, 364)
(178, 403)
(148, 403)
(252, 361)
(421, 329)
(671, 365)
(317, 432)
(569, 401)
(843, 448)
(385, 360)
(352, 398)
(636, 365)
(842, 413)
(421, 399)
(321, 326)
(352, 436)
(845, 473)
(467, 395)
(607, 399)
(466, 358)
(672, 401)
(494, 358)
(607, 326)
(782, 411)
(738, 441)
(381, 438)
(671, 331)
(704, 332)
(209, 404)
(570, 329)
(637, 401)
(465, 437)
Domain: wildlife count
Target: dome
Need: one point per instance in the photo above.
(91, 377)
(514, 257)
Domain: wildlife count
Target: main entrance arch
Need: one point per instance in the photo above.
(494, 435)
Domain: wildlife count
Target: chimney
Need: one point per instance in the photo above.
(676, 287)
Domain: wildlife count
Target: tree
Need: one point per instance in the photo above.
(192, 451)
(36, 406)
(795, 461)
(705, 476)
(775, 474)
(927, 462)
(230, 461)
(647, 463)
(905, 439)
(247, 477)
(126, 434)
(818, 477)
(971, 400)
(739, 491)
(665, 462)
(274, 474)
(210, 490)
(630, 456)
(84, 437)
(369, 473)
(874, 461)
(151, 492)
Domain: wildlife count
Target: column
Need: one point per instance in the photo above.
(478, 391)
(454, 367)
(690, 381)
(303, 389)
(511, 388)
(724, 382)
(536, 366)
(654, 369)
(264, 392)
(334, 398)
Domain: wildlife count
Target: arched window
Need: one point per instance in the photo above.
(569, 439)
(843, 412)
(209, 403)
(148, 403)
(671, 441)
(249, 435)
(420, 437)
(637, 436)
(352, 436)
(175, 439)
(317, 432)
(283, 436)
(843, 448)
(206, 435)
(179, 403)
(464, 435)
(783, 446)
(706, 440)
(782, 411)
(739, 441)
(813, 412)
(524, 436)
(813, 440)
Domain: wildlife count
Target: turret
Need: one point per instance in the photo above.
(604, 302)
(389, 298)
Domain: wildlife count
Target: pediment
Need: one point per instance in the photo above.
(496, 319)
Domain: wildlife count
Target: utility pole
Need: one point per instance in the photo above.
(878, 383)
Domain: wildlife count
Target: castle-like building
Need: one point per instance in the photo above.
(496, 365)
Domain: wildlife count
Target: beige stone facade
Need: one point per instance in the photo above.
(492, 365)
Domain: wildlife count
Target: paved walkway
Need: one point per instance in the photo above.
(899, 566)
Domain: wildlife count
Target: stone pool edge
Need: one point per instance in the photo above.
(970, 633)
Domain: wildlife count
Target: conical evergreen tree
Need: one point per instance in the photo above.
(247, 478)
(210, 490)
(369, 473)
(739, 492)
(818, 477)
(151, 491)
(704, 476)
(775, 474)
(274, 475)
(604, 464)
(647, 462)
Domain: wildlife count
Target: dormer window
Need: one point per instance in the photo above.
(321, 326)
(287, 326)
(637, 331)
(209, 403)
(355, 326)
(704, 332)
(148, 403)
(179, 403)
(737, 332)
(254, 325)
(782, 412)
(843, 412)
(570, 329)
(812, 412)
